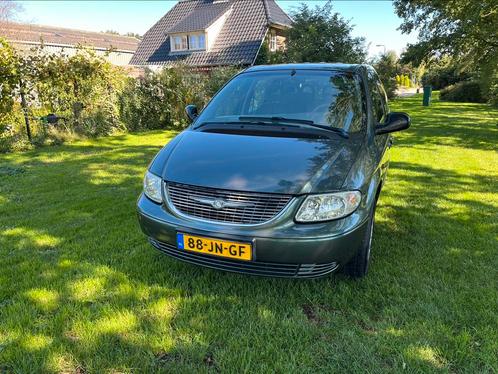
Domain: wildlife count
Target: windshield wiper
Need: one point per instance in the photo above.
(276, 119)
(247, 122)
(305, 122)
(202, 124)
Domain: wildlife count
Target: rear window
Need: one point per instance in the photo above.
(325, 97)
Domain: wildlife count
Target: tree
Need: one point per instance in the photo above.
(388, 69)
(17, 74)
(465, 30)
(320, 35)
(8, 76)
(9, 10)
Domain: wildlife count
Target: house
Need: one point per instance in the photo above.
(206, 33)
(26, 36)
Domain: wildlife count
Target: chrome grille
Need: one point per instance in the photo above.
(240, 207)
(269, 269)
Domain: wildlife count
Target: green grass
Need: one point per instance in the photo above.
(82, 291)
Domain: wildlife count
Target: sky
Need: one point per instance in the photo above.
(374, 20)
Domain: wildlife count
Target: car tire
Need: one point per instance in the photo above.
(357, 267)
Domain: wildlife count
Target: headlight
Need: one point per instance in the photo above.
(152, 187)
(329, 206)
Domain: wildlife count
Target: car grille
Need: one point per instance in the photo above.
(242, 207)
(269, 269)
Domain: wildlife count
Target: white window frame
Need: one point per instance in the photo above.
(183, 44)
(186, 42)
(198, 36)
(273, 41)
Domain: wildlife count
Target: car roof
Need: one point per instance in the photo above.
(351, 68)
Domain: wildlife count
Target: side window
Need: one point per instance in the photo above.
(378, 97)
(383, 98)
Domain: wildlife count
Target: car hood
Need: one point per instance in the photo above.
(257, 163)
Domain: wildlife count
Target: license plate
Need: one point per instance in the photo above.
(214, 247)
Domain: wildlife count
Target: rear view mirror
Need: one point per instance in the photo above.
(395, 121)
(191, 111)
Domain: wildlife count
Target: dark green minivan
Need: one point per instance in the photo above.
(278, 175)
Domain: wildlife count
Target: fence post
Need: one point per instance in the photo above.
(24, 106)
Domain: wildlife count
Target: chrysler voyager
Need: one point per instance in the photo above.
(278, 175)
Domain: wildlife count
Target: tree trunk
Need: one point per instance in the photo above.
(24, 106)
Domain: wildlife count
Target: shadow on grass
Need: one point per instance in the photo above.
(473, 126)
(82, 290)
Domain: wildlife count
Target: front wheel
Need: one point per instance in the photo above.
(358, 266)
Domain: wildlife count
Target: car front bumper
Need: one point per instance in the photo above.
(281, 248)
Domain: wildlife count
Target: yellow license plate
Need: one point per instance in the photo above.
(214, 247)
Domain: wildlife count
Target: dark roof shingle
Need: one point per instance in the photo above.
(237, 43)
(201, 17)
(276, 15)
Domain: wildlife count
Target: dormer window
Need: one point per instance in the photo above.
(197, 41)
(180, 43)
(188, 42)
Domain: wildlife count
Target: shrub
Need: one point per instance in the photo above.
(83, 88)
(158, 99)
(468, 91)
(493, 94)
(217, 78)
(440, 77)
(94, 97)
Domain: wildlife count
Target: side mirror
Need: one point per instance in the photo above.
(191, 111)
(395, 121)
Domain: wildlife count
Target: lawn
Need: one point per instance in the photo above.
(82, 291)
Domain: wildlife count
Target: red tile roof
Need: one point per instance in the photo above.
(59, 36)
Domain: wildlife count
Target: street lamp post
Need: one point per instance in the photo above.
(381, 45)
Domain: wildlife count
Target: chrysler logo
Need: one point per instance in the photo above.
(218, 203)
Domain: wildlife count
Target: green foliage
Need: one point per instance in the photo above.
(466, 92)
(94, 97)
(462, 29)
(152, 101)
(82, 88)
(444, 75)
(8, 78)
(489, 82)
(267, 57)
(158, 100)
(493, 93)
(387, 68)
(217, 78)
(319, 35)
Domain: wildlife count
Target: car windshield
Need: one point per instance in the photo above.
(328, 98)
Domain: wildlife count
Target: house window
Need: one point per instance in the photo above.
(273, 41)
(179, 43)
(192, 42)
(196, 41)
